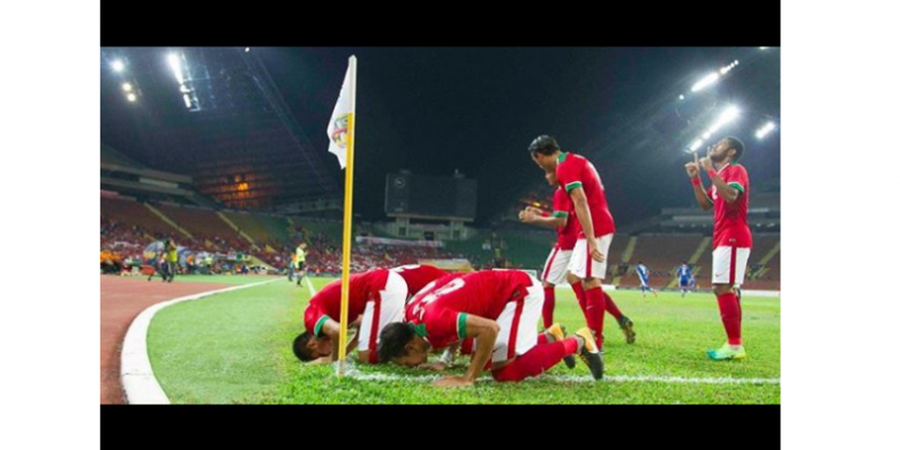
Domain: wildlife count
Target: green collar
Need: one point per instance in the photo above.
(562, 157)
(420, 330)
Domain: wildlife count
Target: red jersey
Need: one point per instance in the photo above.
(326, 304)
(439, 312)
(731, 227)
(563, 207)
(575, 171)
(417, 276)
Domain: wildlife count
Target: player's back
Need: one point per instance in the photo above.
(577, 171)
(417, 276)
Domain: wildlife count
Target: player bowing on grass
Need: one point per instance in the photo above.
(377, 298)
(499, 310)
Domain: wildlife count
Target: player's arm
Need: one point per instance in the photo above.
(485, 331)
(332, 329)
(534, 216)
(693, 172)
(727, 191)
(583, 211)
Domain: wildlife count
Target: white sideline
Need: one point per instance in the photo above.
(312, 289)
(138, 381)
(576, 379)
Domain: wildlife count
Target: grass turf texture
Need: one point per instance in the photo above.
(235, 348)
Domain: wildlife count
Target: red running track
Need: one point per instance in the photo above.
(121, 300)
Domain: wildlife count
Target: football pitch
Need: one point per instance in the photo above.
(235, 347)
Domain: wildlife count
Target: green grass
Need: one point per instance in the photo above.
(235, 348)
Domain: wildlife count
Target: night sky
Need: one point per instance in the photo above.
(434, 110)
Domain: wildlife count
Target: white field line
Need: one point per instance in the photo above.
(138, 381)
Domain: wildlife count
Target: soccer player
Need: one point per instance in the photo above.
(729, 198)
(171, 256)
(685, 277)
(555, 269)
(292, 266)
(499, 310)
(644, 275)
(300, 264)
(157, 261)
(417, 276)
(377, 298)
(580, 180)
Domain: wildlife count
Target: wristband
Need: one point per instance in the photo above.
(695, 181)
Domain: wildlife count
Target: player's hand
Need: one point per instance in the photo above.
(454, 382)
(706, 163)
(533, 209)
(594, 249)
(322, 360)
(693, 169)
(437, 367)
(527, 216)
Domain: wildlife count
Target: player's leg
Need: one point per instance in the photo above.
(729, 267)
(578, 268)
(625, 324)
(385, 309)
(518, 355)
(554, 273)
(593, 272)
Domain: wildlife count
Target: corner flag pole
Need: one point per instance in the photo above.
(348, 219)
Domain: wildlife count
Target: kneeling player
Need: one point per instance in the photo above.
(376, 299)
(499, 309)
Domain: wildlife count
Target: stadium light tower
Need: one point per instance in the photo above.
(765, 130)
(730, 113)
(175, 64)
(706, 81)
(727, 116)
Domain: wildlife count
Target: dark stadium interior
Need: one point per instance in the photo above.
(225, 150)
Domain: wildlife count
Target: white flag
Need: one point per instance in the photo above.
(340, 123)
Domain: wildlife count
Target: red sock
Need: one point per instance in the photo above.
(536, 361)
(579, 294)
(549, 304)
(731, 317)
(611, 306)
(596, 309)
(542, 339)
